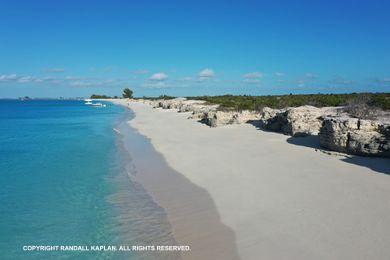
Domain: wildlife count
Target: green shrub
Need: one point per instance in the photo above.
(95, 96)
(230, 102)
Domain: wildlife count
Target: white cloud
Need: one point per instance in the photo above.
(28, 79)
(253, 75)
(72, 78)
(81, 83)
(206, 73)
(252, 81)
(279, 74)
(20, 79)
(8, 77)
(161, 76)
(48, 79)
(95, 82)
(66, 81)
(25, 79)
(307, 78)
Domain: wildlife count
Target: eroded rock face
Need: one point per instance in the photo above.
(301, 121)
(356, 136)
(272, 119)
(200, 112)
(294, 121)
(246, 116)
(183, 105)
(185, 108)
(219, 118)
(169, 104)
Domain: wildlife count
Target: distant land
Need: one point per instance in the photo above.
(248, 102)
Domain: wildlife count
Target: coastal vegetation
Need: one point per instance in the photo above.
(360, 105)
(127, 93)
(164, 97)
(97, 96)
(247, 102)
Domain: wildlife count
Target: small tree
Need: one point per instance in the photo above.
(127, 93)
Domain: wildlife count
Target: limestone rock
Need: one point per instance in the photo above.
(272, 119)
(355, 136)
(200, 111)
(301, 121)
(219, 118)
(295, 121)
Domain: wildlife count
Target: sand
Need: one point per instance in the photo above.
(281, 197)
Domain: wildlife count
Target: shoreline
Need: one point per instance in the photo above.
(133, 204)
(197, 225)
(281, 199)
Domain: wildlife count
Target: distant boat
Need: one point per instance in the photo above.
(88, 101)
(98, 104)
(24, 98)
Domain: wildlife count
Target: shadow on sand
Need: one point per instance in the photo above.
(381, 165)
(312, 141)
(256, 123)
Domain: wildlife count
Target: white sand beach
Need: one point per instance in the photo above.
(281, 197)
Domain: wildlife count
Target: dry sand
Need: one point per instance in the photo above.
(282, 198)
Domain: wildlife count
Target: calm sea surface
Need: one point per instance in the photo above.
(66, 180)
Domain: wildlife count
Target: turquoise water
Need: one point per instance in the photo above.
(64, 181)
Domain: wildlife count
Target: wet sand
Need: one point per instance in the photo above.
(281, 198)
(190, 209)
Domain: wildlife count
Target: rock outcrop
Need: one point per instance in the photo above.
(272, 119)
(337, 131)
(180, 104)
(301, 121)
(356, 136)
(294, 121)
(219, 118)
(200, 112)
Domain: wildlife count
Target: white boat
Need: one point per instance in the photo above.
(98, 104)
(88, 100)
(88, 103)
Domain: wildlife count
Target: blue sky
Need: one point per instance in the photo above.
(76, 48)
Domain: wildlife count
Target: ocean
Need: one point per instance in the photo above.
(65, 180)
